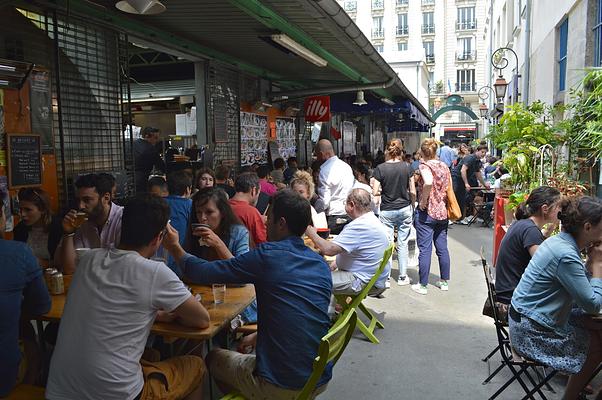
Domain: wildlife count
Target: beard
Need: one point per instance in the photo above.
(96, 211)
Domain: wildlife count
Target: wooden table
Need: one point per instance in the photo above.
(237, 299)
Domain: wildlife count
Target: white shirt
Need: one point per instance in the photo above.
(335, 181)
(364, 241)
(111, 305)
(87, 235)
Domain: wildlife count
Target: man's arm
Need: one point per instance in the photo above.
(482, 180)
(64, 255)
(463, 172)
(324, 191)
(326, 248)
(375, 187)
(192, 313)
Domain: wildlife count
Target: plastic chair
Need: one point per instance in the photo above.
(356, 300)
(518, 366)
(331, 348)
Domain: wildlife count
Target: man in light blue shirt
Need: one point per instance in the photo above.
(446, 154)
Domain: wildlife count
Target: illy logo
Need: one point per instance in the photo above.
(317, 108)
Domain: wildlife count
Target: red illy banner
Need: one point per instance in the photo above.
(317, 109)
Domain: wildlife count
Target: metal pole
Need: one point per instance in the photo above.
(57, 74)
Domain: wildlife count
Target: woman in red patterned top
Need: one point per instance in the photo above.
(430, 220)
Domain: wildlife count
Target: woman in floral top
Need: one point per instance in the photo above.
(430, 220)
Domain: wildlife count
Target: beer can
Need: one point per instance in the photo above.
(48, 272)
(57, 285)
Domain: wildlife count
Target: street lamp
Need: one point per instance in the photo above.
(484, 95)
(499, 61)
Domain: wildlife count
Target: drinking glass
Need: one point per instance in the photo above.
(219, 293)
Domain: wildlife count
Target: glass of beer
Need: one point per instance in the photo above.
(80, 218)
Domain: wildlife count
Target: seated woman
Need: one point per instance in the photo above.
(524, 237)
(204, 178)
(303, 184)
(544, 327)
(225, 238)
(38, 227)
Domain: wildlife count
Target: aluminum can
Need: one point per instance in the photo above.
(57, 285)
(48, 272)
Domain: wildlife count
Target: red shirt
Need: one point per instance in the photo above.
(267, 187)
(251, 218)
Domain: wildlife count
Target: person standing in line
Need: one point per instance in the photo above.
(446, 154)
(397, 192)
(334, 184)
(431, 216)
(470, 177)
(146, 157)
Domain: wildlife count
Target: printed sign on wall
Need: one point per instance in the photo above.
(317, 109)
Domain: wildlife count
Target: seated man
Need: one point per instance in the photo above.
(359, 247)
(157, 185)
(223, 181)
(293, 287)
(22, 287)
(243, 204)
(179, 184)
(103, 225)
(113, 301)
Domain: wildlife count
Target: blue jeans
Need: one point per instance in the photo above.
(402, 220)
(429, 230)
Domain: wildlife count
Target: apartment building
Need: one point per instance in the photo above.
(555, 42)
(437, 48)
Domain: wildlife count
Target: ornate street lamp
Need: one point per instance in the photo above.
(499, 62)
(484, 95)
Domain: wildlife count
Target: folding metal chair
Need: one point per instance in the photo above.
(519, 367)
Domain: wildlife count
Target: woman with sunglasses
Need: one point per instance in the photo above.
(38, 227)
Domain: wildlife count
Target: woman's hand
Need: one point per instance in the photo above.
(209, 237)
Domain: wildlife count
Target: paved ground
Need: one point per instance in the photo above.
(431, 347)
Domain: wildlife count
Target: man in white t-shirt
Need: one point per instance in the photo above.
(114, 299)
(359, 247)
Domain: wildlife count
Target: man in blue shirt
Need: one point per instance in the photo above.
(22, 287)
(446, 154)
(179, 185)
(293, 286)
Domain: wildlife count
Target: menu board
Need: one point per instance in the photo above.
(41, 107)
(253, 138)
(286, 137)
(274, 151)
(24, 160)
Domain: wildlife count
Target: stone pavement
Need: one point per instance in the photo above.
(431, 347)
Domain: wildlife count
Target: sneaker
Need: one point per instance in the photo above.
(403, 281)
(388, 284)
(418, 288)
(443, 285)
(465, 221)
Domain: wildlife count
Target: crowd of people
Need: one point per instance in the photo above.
(128, 263)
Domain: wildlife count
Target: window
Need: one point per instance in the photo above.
(377, 27)
(429, 51)
(431, 81)
(466, 50)
(402, 24)
(402, 2)
(350, 6)
(380, 48)
(598, 37)
(402, 46)
(428, 22)
(466, 18)
(378, 4)
(563, 34)
(465, 80)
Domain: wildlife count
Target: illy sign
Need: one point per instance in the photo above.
(317, 109)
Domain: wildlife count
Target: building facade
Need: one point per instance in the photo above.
(437, 47)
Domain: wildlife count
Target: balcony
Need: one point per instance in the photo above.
(402, 3)
(403, 30)
(428, 29)
(350, 6)
(430, 58)
(378, 33)
(466, 87)
(466, 55)
(428, 2)
(466, 25)
(378, 4)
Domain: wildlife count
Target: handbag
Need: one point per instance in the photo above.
(453, 209)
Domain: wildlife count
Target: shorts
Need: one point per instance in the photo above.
(236, 371)
(172, 379)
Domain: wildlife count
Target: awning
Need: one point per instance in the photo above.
(238, 32)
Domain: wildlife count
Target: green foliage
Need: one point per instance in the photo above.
(519, 134)
(515, 199)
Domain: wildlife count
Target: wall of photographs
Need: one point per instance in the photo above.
(253, 138)
(286, 135)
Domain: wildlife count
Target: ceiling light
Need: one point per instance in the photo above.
(151, 99)
(144, 7)
(7, 68)
(387, 101)
(298, 49)
(3, 83)
(359, 100)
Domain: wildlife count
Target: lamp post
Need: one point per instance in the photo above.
(484, 95)
(500, 62)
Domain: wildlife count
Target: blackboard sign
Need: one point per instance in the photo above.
(273, 151)
(24, 160)
(41, 107)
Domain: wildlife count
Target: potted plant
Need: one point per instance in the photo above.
(514, 200)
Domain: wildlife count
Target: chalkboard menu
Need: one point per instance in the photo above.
(274, 152)
(24, 160)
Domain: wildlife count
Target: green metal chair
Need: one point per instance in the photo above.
(356, 300)
(331, 348)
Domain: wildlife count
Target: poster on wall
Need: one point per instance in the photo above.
(41, 107)
(6, 203)
(253, 138)
(378, 141)
(286, 137)
(2, 134)
(349, 137)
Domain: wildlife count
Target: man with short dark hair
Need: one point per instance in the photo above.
(110, 181)
(22, 290)
(146, 157)
(222, 176)
(103, 225)
(278, 171)
(446, 154)
(471, 176)
(289, 172)
(157, 185)
(265, 185)
(243, 204)
(113, 301)
(293, 286)
(179, 184)
(357, 259)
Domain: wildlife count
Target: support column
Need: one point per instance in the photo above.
(200, 81)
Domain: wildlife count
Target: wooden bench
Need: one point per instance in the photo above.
(27, 392)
